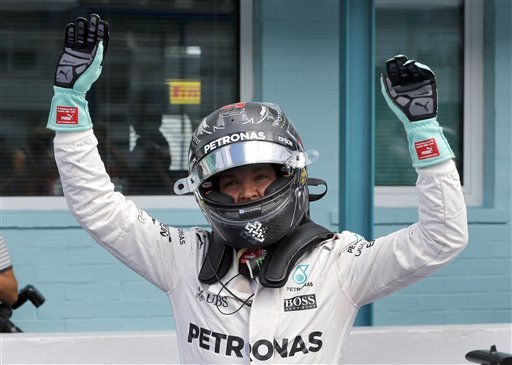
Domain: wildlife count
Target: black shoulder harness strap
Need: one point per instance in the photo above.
(217, 261)
(278, 263)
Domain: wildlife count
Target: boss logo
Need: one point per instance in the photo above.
(300, 302)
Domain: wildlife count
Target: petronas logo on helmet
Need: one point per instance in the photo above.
(235, 137)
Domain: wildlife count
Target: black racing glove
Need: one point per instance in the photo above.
(79, 66)
(410, 91)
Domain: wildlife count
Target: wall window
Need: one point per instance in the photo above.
(442, 35)
(169, 64)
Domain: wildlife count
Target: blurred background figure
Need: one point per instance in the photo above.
(8, 282)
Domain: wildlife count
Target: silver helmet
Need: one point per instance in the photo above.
(242, 134)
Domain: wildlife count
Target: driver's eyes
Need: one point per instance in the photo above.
(261, 177)
(228, 183)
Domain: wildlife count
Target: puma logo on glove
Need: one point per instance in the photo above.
(423, 105)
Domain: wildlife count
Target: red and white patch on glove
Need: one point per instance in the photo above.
(426, 149)
(67, 115)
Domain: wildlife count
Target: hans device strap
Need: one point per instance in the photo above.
(217, 261)
(278, 263)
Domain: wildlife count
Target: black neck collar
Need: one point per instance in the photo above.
(279, 262)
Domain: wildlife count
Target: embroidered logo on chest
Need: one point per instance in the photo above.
(300, 302)
(300, 277)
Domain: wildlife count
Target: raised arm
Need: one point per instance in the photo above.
(134, 237)
(379, 267)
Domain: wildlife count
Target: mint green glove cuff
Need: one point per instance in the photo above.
(69, 111)
(427, 143)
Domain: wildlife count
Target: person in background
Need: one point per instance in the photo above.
(266, 284)
(8, 282)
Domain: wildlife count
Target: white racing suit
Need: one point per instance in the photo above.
(308, 320)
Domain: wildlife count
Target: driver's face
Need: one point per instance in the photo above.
(247, 183)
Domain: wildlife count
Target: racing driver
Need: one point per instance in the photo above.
(273, 286)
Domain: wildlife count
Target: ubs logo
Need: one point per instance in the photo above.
(214, 299)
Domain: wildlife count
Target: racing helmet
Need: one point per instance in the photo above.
(242, 134)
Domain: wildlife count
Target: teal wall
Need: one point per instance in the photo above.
(299, 70)
(86, 288)
(297, 66)
(476, 288)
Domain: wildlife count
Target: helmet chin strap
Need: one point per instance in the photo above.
(277, 265)
(316, 182)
